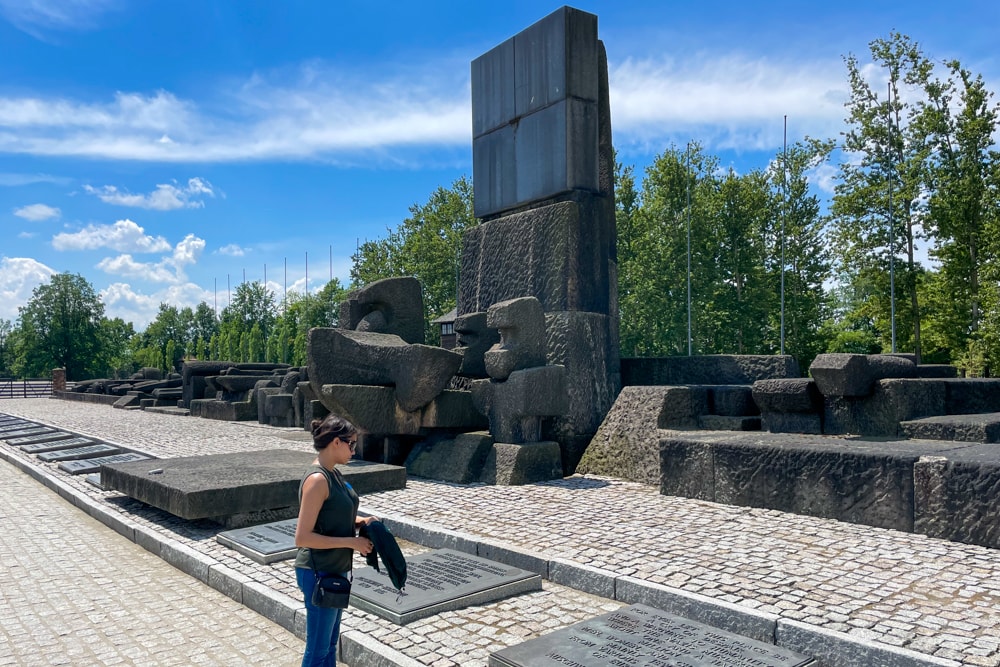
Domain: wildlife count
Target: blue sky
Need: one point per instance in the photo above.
(166, 149)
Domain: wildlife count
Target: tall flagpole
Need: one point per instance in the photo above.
(687, 174)
(892, 236)
(784, 212)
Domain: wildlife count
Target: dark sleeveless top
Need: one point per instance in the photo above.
(335, 519)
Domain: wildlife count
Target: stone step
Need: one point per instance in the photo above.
(983, 427)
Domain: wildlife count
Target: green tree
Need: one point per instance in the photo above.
(6, 344)
(118, 353)
(61, 328)
(879, 203)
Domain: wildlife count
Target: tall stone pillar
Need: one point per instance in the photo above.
(543, 177)
(58, 379)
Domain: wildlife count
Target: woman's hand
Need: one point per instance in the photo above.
(365, 520)
(362, 545)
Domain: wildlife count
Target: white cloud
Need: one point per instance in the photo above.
(26, 235)
(232, 250)
(37, 212)
(166, 196)
(19, 276)
(35, 17)
(123, 236)
(13, 180)
(168, 270)
(724, 101)
(122, 300)
(313, 112)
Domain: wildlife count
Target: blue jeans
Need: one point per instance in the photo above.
(322, 625)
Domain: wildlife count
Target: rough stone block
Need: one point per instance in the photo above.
(787, 395)
(278, 409)
(854, 375)
(957, 495)
(262, 394)
(732, 401)
(388, 306)
(724, 423)
(626, 444)
(515, 464)
(682, 406)
(983, 427)
(892, 401)
(707, 369)
(792, 422)
(473, 338)
(852, 481)
(419, 372)
(460, 461)
(557, 253)
(514, 407)
(521, 324)
(971, 395)
(686, 469)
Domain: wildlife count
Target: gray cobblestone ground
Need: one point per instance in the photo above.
(76, 593)
(937, 598)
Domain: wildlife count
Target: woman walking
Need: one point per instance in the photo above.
(326, 532)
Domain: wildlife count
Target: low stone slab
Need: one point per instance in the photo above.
(224, 485)
(37, 439)
(86, 466)
(57, 445)
(966, 428)
(15, 425)
(438, 581)
(265, 544)
(37, 430)
(640, 635)
(87, 452)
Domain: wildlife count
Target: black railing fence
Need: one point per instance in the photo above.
(25, 388)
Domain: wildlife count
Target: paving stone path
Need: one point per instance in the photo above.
(77, 593)
(937, 602)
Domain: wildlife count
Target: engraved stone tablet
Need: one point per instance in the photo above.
(36, 439)
(57, 445)
(36, 430)
(15, 424)
(265, 544)
(438, 581)
(638, 636)
(88, 452)
(93, 465)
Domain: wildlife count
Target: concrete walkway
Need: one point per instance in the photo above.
(846, 594)
(76, 593)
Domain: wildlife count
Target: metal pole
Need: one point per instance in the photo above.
(892, 237)
(784, 212)
(687, 174)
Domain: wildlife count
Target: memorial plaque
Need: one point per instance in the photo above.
(639, 636)
(37, 430)
(15, 424)
(438, 581)
(88, 452)
(36, 439)
(93, 465)
(57, 445)
(265, 544)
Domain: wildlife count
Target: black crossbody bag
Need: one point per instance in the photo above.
(331, 590)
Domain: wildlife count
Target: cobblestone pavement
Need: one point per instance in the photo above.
(939, 599)
(77, 593)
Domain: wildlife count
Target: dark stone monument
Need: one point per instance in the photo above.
(543, 171)
(637, 636)
(19, 433)
(438, 581)
(265, 543)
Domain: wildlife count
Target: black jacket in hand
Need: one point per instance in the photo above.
(385, 547)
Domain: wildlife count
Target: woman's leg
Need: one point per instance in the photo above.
(322, 625)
